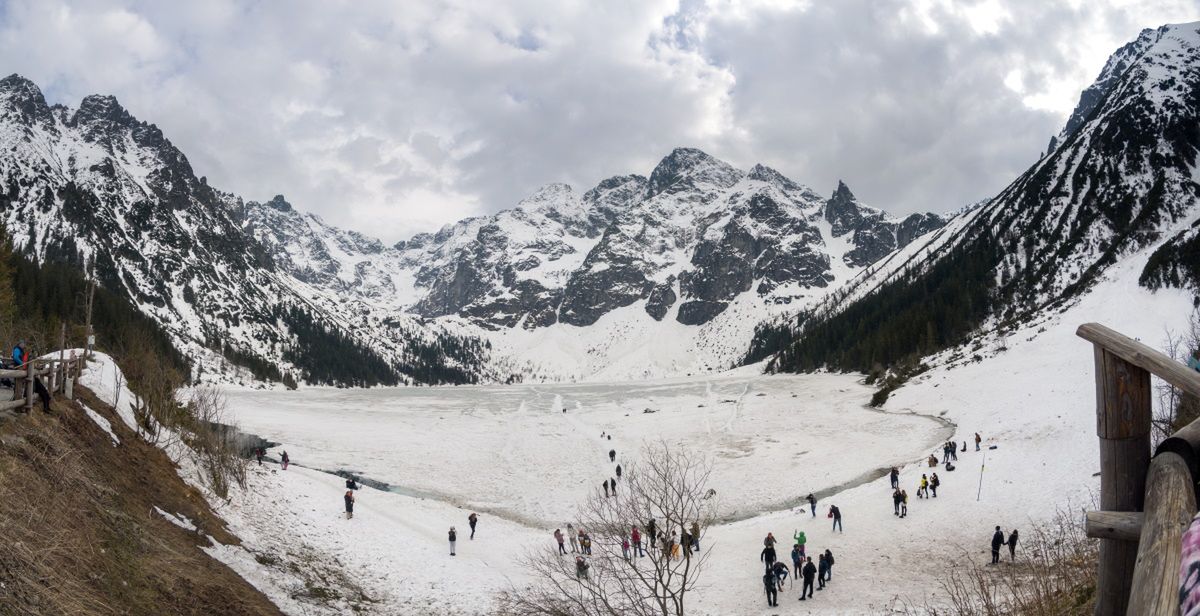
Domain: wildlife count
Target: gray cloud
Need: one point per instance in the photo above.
(393, 118)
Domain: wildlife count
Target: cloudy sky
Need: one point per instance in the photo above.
(393, 117)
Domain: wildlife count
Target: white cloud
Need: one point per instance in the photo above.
(393, 118)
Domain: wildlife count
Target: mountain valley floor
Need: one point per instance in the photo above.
(512, 455)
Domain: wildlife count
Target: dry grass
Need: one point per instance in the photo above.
(77, 530)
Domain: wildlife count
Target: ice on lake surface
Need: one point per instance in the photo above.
(511, 451)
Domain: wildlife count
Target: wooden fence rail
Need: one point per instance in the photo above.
(1147, 502)
(57, 375)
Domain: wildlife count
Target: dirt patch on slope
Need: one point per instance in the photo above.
(80, 534)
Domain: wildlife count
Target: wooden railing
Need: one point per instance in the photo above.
(57, 375)
(1147, 502)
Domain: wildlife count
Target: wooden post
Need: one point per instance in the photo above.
(29, 385)
(1123, 526)
(1170, 505)
(1123, 414)
(61, 373)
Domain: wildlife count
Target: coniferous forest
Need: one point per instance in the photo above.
(918, 313)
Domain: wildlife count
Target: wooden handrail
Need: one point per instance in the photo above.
(1170, 505)
(1142, 356)
(1139, 573)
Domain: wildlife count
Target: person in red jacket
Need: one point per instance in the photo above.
(636, 536)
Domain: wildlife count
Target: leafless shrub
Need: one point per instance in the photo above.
(214, 443)
(668, 485)
(1173, 407)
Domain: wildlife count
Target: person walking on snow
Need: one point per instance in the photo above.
(904, 503)
(258, 454)
(453, 538)
(618, 471)
(472, 520)
(772, 591)
(625, 547)
(997, 541)
(349, 498)
(1012, 546)
(934, 482)
(822, 571)
(812, 504)
(612, 455)
(978, 440)
(636, 535)
(558, 536)
(895, 478)
(604, 484)
(828, 565)
(810, 572)
(837, 519)
(695, 534)
(283, 459)
(612, 485)
(652, 532)
(954, 451)
(571, 537)
(896, 502)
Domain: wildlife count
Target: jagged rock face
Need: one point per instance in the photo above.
(875, 234)
(689, 240)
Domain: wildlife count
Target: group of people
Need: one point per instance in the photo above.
(803, 568)
(672, 545)
(472, 521)
(999, 541)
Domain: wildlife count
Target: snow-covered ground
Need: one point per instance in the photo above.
(510, 453)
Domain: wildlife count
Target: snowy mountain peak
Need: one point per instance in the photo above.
(689, 169)
(279, 203)
(548, 196)
(1169, 42)
(22, 97)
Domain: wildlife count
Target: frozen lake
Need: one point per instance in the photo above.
(511, 451)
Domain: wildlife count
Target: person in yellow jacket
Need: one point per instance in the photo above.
(923, 490)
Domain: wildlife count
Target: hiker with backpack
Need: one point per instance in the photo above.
(769, 584)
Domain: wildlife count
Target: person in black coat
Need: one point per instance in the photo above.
(997, 541)
(652, 531)
(612, 455)
(812, 504)
(768, 555)
(472, 520)
(1012, 546)
(810, 574)
(822, 571)
(828, 565)
(837, 517)
(772, 591)
(349, 498)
